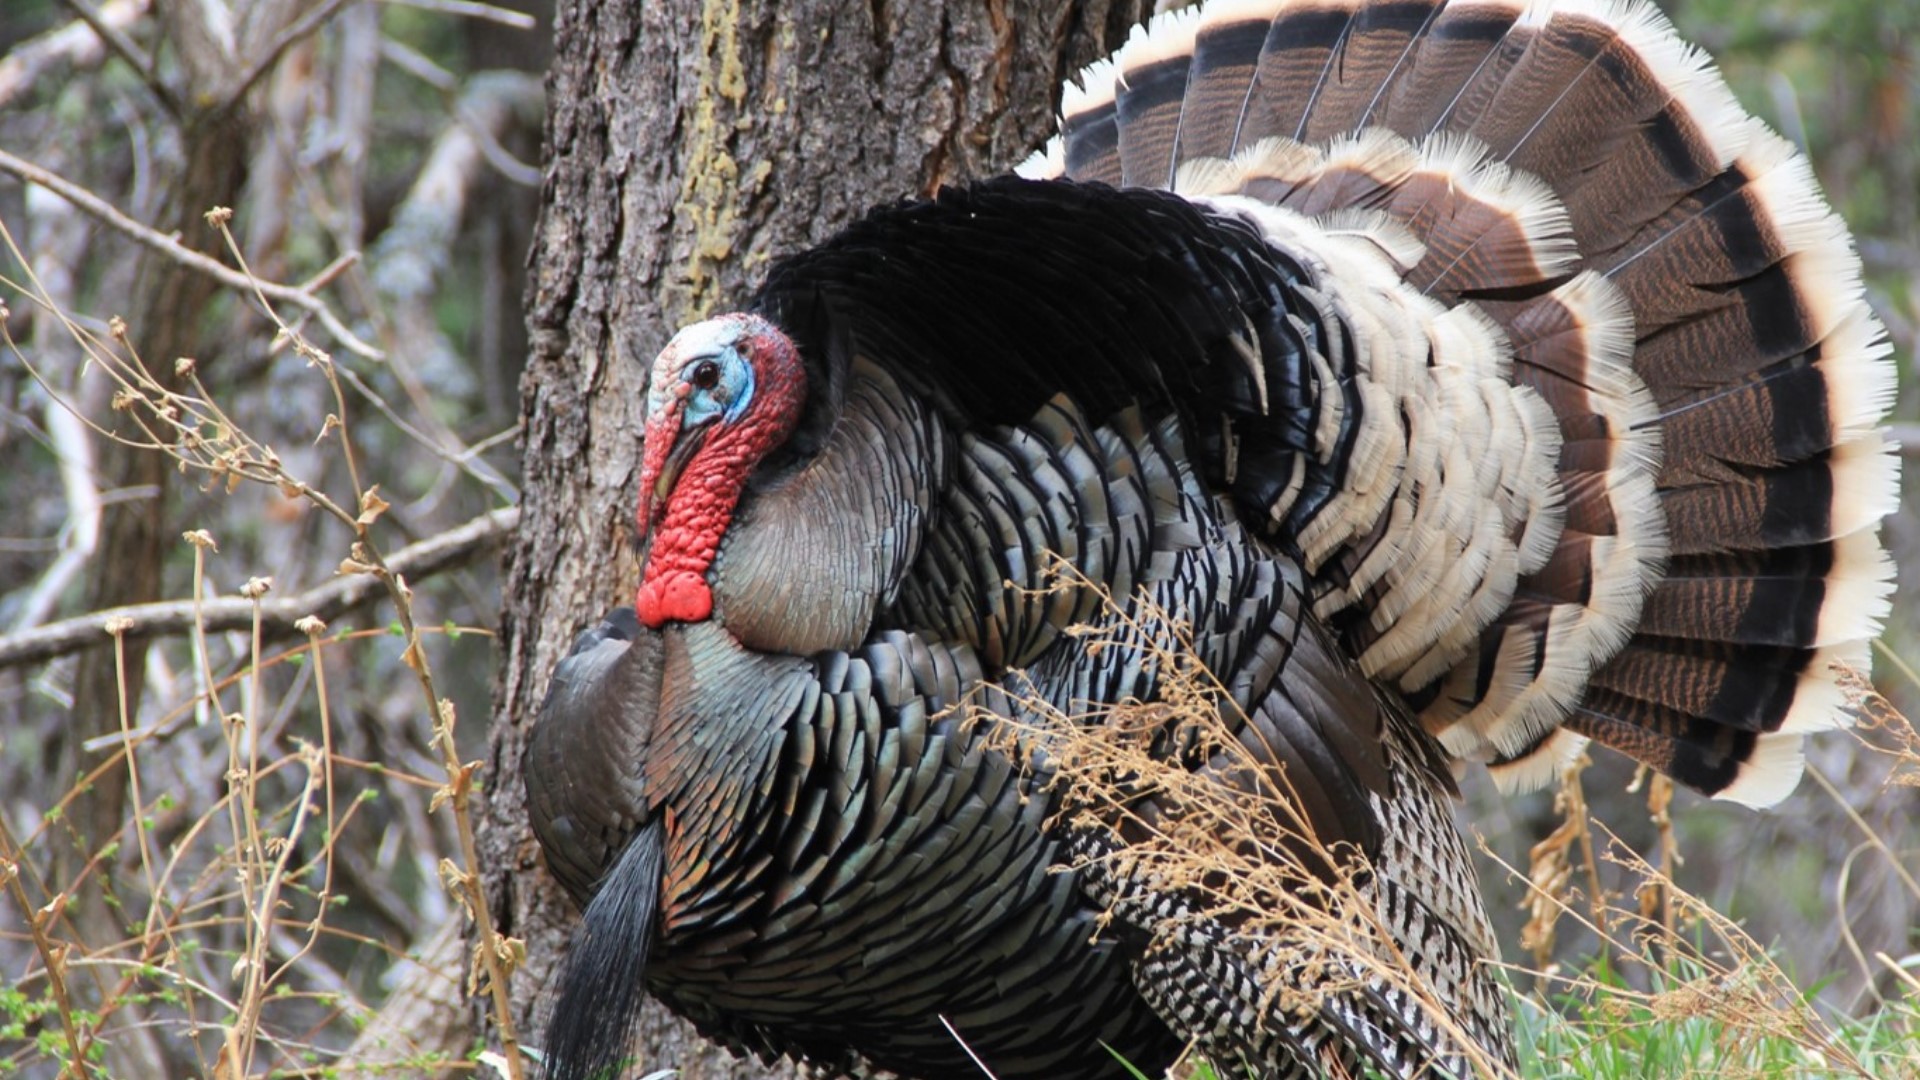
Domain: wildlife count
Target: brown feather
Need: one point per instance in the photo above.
(1374, 49)
(1302, 54)
(1225, 56)
(1458, 45)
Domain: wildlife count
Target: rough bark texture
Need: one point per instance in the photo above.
(689, 143)
(422, 1019)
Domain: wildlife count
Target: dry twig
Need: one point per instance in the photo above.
(107, 214)
(434, 555)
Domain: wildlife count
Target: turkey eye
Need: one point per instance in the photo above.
(706, 375)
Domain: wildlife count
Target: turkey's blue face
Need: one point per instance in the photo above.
(700, 380)
(703, 369)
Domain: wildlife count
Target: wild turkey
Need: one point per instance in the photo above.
(1464, 381)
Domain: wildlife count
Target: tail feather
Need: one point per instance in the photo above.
(1671, 124)
(1301, 57)
(1837, 492)
(1090, 127)
(1487, 227)
(1147, 97)
(1809, 596)
(1374, 45)
(1750, 687)
(1226, 55)
(1733, 764)
(1459, 44)
(1653, 264)
(1477, 224)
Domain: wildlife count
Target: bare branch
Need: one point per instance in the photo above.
(467, 458)
(107, 26)
(407, 260)
(419, 65)
(356, 64)
(107, 214)
(446, 551)
(73, 443)
(478, 109)
(59, 237)
(408, 257)
(77, 44)
(519, 20)
(313, 19)
(481, 127)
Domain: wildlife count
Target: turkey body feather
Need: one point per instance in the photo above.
(1448, 381)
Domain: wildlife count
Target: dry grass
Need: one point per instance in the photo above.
(1228, 836)
(1675, 989)
(229, 909)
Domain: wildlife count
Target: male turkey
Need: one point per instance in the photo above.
(1455, 381)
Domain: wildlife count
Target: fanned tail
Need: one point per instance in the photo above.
(1680, 557)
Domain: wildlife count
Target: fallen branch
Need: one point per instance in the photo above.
(446, 551)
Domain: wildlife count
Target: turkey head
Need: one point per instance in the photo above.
(720, 396)
(783, 490)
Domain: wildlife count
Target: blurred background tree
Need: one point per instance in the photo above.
(382, 160)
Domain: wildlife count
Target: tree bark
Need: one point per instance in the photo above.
(688, 143)
(421, 1029)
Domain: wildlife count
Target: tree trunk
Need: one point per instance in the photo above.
(689, 143)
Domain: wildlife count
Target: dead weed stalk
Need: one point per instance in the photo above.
(271, 849)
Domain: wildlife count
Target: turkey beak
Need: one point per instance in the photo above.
(653, 497)
(683, 451)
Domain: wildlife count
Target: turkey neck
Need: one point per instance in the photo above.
(812, 555)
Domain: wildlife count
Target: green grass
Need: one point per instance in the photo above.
(1694, 1022)
(1609, 1031)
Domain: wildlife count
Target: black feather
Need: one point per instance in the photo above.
(604, 981)
(1117, 299)
(582, 807)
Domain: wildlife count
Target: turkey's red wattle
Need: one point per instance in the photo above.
(699, 508)
(678, 596)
